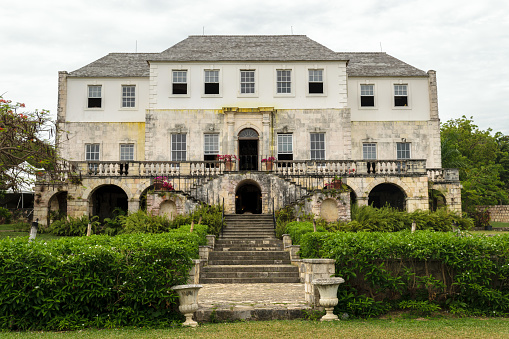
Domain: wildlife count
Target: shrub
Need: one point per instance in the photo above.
(70, 226)
(5, 216)
(465, 274)
(297, 229)
(97, 281)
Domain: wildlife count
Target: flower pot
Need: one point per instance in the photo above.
(158, 186)
(336, 184)
(268, 165)
(328, 289)
(188, 299)
(229, 165)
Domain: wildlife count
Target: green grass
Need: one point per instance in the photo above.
(500, 224)
(40, 236)
(386, 328)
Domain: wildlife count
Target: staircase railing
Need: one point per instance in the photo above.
(222, 219)
(273, 215)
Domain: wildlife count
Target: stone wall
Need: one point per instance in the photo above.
(498, 213)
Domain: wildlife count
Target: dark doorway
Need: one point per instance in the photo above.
(248, 150)
(248, 199)
(387, 195)
(106, 199)
(436, 200)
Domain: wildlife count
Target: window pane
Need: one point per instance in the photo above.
(211, 144)
(317, 146)
(247, 81)
(285, 143)
(92, 152)
(212, 76)
(178, 147)
(126, 152)
(403, 150)
(284, 81)
(369, 151)
(128, 96)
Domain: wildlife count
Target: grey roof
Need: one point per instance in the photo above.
(378, 65)
(215, 48)
(117, 65)
(247, 48)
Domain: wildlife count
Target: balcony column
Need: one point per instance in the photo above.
(231, 132)
(266, 135)
(133, 205)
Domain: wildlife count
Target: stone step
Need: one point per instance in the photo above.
(249, 255)
(248, 236)
(249, 262)
(236, 248)
(254, 234)
(233, 274)
(249, 280)
(251, 268)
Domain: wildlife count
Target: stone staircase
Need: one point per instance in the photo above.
(248, 252)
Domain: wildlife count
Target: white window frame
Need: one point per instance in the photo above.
(313, 79)
(313, 148)
(255, 79)
(131, 96)
(101, 96)
(178, 80)
(408, 96)
(96, 152)
(368, 150)
(280, 80)
(363, 94)
(401, 153)
(211, 140)
(219, 82)
(129, 147)
(178, 146)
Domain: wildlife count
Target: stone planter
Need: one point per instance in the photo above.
(229, 166)
(188, 299)
(328, 289)
(268, 165)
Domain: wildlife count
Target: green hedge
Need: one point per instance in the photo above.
(297, 229)
(97, 281)
(423, 271)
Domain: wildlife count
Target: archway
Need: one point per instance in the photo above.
(168, 208)
(387, 194)
(57, 206)
(105, 199)
(436, 200)
(248, 150)
(248, 198)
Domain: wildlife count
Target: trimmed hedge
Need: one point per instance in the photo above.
(297, 229)
(424, 271)
(97, 281)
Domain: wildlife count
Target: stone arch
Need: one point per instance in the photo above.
(387, 194)
(103, 200)
(168, 208)
(248, 197)
(329, 209)
(436, 200)
(57, 206)
(378, 181)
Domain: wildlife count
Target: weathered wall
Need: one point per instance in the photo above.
(498, 213)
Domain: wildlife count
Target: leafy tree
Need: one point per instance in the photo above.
(24, 145)
(482, 159)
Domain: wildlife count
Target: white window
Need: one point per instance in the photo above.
(369, 151)
(367, 95)
(400, 95)
(126, 152)
(247, 82)
(179, 82)
(92, 152)
(284, 81)
(211, 82)
(403, 150)
(94, 96)
(285, 147)
(317, 146)
(315, 81)
(128, 96)
(211, 148)
(178, 147)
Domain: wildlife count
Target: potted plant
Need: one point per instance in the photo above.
(229, 161)
(268, 163)
(162, 184)
(336, 183)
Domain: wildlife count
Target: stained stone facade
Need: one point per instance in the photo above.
(129, 118)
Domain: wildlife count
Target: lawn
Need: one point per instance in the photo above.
(500, 224)
(386, 328)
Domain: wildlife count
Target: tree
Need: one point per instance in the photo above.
(25, 145)
(482, 160)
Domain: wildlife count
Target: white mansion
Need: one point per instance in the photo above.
(129, 118)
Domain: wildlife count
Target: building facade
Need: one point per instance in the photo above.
(293, 114)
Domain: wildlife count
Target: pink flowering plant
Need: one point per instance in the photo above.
(165, 183)
(269, 159)
(227, 157)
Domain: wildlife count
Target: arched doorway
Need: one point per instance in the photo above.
(436, 200)
(387, 194)
(248, 198)
(248, 150)
(57, 207)
(105, 199)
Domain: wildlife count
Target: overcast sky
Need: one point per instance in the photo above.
(467, 43)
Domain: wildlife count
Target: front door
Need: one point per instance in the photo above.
(248, 150)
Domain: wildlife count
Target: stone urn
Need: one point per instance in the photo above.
(188, 299)
(328, 289)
